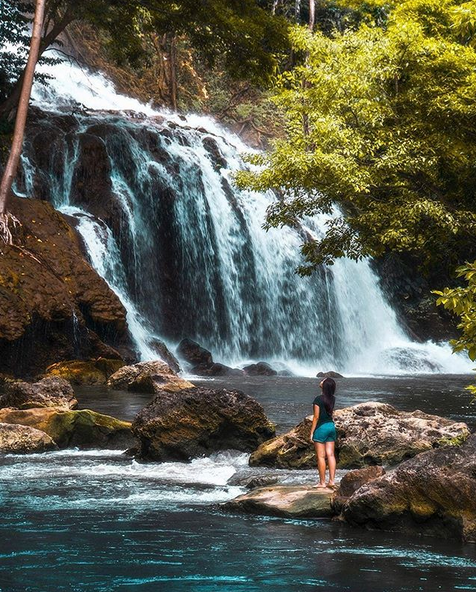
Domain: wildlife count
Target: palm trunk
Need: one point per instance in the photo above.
(20, 122)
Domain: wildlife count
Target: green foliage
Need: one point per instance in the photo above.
(381, 121)
(461, 301)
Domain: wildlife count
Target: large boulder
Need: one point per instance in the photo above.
(215, 369)
(90, 372)
(21, 439)
(84, 428)
(368, 434)
(433, 493)
(48, 392)
(147, 377)
(193, 353)
(199, 421)
(287, 501)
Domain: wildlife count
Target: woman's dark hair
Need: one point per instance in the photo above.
(328, 398)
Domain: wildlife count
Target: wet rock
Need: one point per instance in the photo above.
(215, 369)
(48, 392)
(84, 428)
(147, 377)
(432, 494)
(351, 482)
(193, 353)
(165, 354)
(199, 421)
(330, 374)
(89, 372)
(286, 501)
(53, 305)
(259, 369)
(368, 434)
(19, 439)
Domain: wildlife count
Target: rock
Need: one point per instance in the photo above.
(351, 482)
(259, 369)
(91, 372)
(215, 369)
(164, 354)
(53, 305)
(84, 428)
(368, 434)
(330, 374)
(193, 353)
(199, 421)
(376, 433)
(21, 439)
(432, 494)
(48, 392)
(286, 501)
(147, 377)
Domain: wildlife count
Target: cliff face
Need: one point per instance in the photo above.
(53, 305)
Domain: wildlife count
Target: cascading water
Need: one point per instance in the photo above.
(185, 250)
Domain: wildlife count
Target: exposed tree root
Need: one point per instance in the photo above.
(7, 221)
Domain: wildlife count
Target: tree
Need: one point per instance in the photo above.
(27, 81)
(244, 35)
(389, 136)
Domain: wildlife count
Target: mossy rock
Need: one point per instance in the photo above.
(89, 372)
(84, 428)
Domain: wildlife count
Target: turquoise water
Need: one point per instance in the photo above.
(97, 521)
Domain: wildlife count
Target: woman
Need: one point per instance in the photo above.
(323, 432)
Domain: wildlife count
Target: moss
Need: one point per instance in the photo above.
(85, 372)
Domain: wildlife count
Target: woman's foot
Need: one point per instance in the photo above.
(331, 484)
(320, 486)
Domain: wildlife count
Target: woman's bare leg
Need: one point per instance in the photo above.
(320, 449)
(331, 461)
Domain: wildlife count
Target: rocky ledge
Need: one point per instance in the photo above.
(48, 392)
(147, 377)
(287, 501)
(433, 493)
(21, 439)
(368, 434)
(199, 421)
(53, 305)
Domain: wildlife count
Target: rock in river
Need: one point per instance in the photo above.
(368, 434)
(48, 392)
(91, 372)
(84, 428)
(199, 421)
(23, 439)
(433, 493)
(288, 501)
(147, 377)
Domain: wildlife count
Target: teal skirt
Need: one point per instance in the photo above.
(326, 432)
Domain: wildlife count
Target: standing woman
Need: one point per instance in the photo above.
(323, 432)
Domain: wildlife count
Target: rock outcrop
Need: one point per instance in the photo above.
(84, 428)
(90, 372)
(199, 421)
(329, 374)
(147, 377)
(287, 501)
(19, 439)
(48, 392)
(53, 305)
(351, 482)
(433, 493)
(368, 434)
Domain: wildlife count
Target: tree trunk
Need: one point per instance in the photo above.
(173, 72)
(20, 122)
(297, 10)
(312, 14)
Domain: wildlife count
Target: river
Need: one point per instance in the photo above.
(100, 521)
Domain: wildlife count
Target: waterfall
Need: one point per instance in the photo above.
(185, 250)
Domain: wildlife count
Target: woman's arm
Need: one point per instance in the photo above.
(315, 419)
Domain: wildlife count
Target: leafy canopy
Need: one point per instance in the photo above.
(380, 120)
